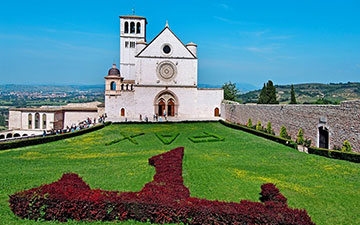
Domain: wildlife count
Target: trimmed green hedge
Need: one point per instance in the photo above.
(280, 140)
(167, 138)
(46, 139)
(334, 154)
(125, 137)
(207, 137)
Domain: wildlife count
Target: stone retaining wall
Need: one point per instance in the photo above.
(342, 121)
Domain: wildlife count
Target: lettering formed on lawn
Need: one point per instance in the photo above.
(167, 139)
(126, 137)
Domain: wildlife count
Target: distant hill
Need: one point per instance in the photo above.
(310, 92)
(242, 87)
(49, 88)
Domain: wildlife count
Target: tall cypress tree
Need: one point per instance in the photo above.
(271, 93)
(268, 94)
(292, 93)
(262, 96)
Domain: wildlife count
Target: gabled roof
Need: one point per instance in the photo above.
(166, 28)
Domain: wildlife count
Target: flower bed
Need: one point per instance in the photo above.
(164, 200)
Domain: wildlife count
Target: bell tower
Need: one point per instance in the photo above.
(132, 30)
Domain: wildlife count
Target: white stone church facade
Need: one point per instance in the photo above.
(159, 77)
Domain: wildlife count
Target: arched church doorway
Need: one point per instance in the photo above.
(122, 112)
(166, 102)
(323, 137)
(216, 112)
(161, 107)
(171, 107)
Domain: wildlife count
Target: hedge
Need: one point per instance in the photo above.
(167, 122)
(164, 200)
(334, 154)
(50, 138)
(280, 140)
(167, 138)
(207, 137)
(125, 137)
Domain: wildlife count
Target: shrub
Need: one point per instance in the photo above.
(269, 129)
(258, 126)
(346, 146)
(334, 154)
(272, 137)
(300, 137)
(307, 143)
(284, 133)
(249, 124)
(164, 200)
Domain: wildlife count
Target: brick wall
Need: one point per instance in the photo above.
(342, 121)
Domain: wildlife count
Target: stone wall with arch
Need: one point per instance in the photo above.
(168, 102)
(341, 121)
(14, 134)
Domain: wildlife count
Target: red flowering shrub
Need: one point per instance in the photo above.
(164, 200)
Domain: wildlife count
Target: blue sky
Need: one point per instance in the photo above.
(75, 42)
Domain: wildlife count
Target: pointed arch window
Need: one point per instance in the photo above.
(113, 86)
(138, 27)
(132, 27)
(30, 121)
(37, 121)
(44, 121)
(126, 29)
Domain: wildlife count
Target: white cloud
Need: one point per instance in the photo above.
(224, 6)
(230, 21)
(258, 34)
(261, 49)
(280, 37)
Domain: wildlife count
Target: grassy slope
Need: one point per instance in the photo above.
(229, 171)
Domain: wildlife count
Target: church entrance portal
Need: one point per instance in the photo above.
(166, 104)
(323, 138)
(161, 107)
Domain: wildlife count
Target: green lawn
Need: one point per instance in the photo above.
(229, 171)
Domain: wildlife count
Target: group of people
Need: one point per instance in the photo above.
(156, 117)
(159, 118)
(82, 125)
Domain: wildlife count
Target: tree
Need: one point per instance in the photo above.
(230, 91)
(258, 126)
(300, 137)
(268, 94)
(292, 93)
(263, 98)
(284, 133)
(269, 128)
(2, 120)
(249, 124)
(346, 146)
